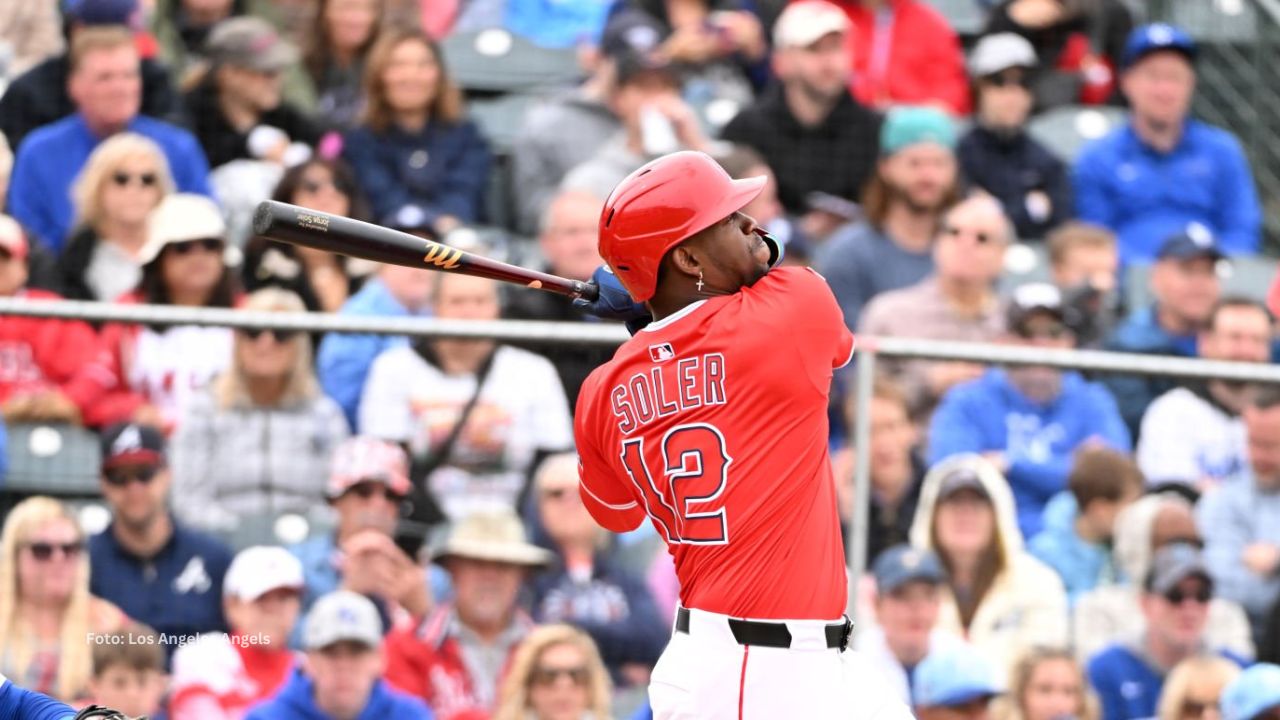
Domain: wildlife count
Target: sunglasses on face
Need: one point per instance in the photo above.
(121, 478)
(557, 494)
(122, 179)
(211, 245)
(1197, 708)
(310, 185)
(370, 488)
(1009, 80)
(280, 336)
(546, 676)
(1200, 595)
(43, 551)
(953, 231)
(1050, 332)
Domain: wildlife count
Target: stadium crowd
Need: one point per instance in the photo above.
(1042, 545)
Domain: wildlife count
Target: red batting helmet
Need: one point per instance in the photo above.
(660, 205)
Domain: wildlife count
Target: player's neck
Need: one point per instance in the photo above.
(662, 308)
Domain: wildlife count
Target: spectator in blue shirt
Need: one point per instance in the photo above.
(368, 483)
(417, 156)
(155, 569)
(1184, 282)
(1028, 420)
(585, 587)
(1162, 170)
(1129, 675)
(343, 361)
(1079, 522)
(105, 84)
(1253, 695)
(1240, 521)
(342, 676)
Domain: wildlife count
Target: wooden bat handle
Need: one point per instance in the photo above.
(355, 238)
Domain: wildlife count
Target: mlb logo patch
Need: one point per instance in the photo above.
(661, 353)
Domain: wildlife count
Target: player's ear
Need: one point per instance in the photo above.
(687, 260)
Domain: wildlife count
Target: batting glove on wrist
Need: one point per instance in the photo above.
(613, 302)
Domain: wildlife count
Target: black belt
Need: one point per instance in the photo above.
(774, 635)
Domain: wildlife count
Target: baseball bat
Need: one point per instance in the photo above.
(345, 236)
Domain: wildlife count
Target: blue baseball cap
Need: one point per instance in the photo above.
(1146, 39)
(955, 676)
(1193, 241)
(1252, 693)
(902, 564)
(101, 12)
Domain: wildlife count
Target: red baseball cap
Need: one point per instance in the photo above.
(365, 459)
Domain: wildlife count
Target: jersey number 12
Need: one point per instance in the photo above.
(683, 500)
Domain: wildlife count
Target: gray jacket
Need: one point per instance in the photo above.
(233, 463)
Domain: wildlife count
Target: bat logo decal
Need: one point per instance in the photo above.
(442, 256)
(313, 222)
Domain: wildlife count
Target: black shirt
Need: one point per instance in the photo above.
(573, 362)
(223, 143)
(1012, 168)
(836, 157)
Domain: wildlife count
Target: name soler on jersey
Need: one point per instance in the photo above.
(645, 397)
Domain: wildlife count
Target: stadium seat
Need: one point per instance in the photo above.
(52, 459)
(495, 60)
(1024, 263)
(499, 117)
(1067, 129)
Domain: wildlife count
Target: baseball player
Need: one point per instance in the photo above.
(711, 421)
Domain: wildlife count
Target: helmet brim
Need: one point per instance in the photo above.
(741, 194)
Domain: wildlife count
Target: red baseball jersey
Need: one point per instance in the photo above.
(713, 423)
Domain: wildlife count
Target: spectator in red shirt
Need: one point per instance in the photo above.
(217, 676)
(905, 53)
(50, 370)
(458, 656)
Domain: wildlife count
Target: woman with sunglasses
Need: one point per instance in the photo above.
(258, 440)
(556, 674)
(320, 278)
(998, 597)
(1047, 683)
(47, 616)
(184, 263)
(420, 161)
(1194, 688)
(125, 178)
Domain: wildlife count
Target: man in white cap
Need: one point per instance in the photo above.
(218, 676)
(341, 678)
(455, 658)
(809, 123)
(998, 155)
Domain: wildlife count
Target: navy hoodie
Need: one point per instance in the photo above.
(991, 415)
(296, 701)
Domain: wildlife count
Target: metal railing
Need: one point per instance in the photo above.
(869, 351)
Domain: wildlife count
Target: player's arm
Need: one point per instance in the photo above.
(800, 300)
(611, 502)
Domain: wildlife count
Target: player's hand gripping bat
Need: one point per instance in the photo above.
(337, 234)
